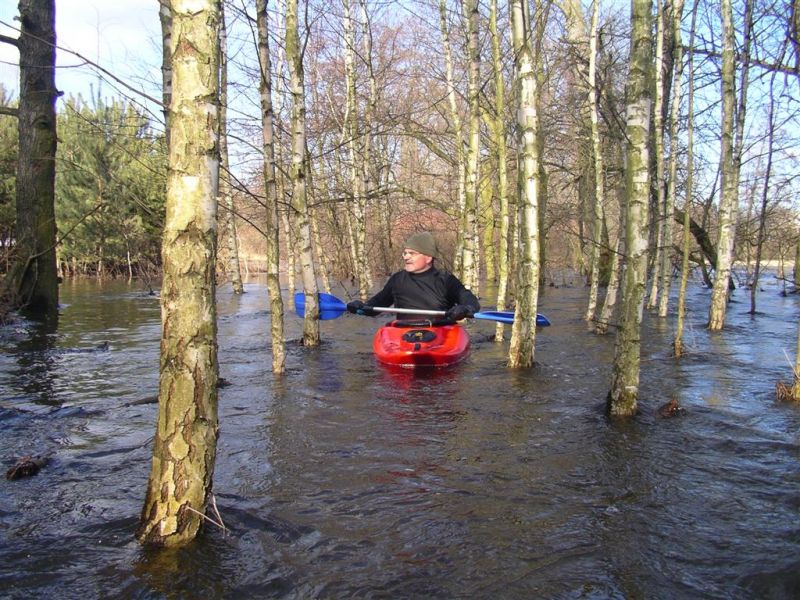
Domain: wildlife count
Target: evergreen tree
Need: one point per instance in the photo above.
(109, 188)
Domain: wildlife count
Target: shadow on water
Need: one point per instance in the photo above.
(347, 479)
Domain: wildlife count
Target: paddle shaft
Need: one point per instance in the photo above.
(331, 307)
(408, 311)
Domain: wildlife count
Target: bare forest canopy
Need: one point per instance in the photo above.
(389, 68)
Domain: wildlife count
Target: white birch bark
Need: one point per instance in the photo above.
(300, 212)
(523, 332)
(272, 224)
(225, 188)
(499, 131)
(672, 182)
(355, 149)
(678, 346)
(469, 251)
(728, 192)
(458, 135)
(624, 392)
(367, 146)
(658, 150)
(599, 195)
(185, 441)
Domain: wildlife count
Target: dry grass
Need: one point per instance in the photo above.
(787, 393)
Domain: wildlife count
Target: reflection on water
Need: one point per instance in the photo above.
(350, 479)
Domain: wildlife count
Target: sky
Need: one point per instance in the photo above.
(123, 36)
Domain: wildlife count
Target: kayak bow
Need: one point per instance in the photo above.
(413, 344)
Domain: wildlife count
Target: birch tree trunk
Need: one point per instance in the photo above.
(355, 147)
(225, 188)
(272, 225)
(458, 135)
(369, 114)
(470, 226)
(316, 236)
(186, 435)
(658, 151)
(33, 281)
(294, 59)
(728, 192)
(597, 154)
(543, 187)
(687, 204)
(284, 209)
(579, 40)
(624, 392)
(523, 332)
(499, 132)
(165, 18)
(610, 301)
(672, 182)
(289, 234)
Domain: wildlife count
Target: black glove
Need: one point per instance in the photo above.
(357, 307)
(458, 312)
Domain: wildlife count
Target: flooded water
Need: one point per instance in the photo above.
(347, 480)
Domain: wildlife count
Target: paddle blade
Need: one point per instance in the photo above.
(330, 307)
(507, 317)
(495, 315)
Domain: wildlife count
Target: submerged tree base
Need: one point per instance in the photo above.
(622, 405)
(788, 393)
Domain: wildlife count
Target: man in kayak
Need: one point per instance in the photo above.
(421, 285)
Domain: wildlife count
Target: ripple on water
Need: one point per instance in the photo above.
(345, 479)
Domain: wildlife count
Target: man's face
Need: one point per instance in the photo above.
(414, 262)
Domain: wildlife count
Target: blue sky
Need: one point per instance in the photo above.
(121, 35)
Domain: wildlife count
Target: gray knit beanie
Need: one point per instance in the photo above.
(424, 243)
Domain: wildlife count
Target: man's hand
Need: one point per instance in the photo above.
(357, 307)
(458, 312)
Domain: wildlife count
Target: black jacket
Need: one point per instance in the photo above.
(430, 290)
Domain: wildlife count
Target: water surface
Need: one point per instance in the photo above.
(348, 480)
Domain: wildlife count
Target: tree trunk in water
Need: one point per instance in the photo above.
(457, 135)
(669, 206)
(499, 132)
(687, 204)
(624, 392)
(226, 194)
(730, 161)
(658, 152)
(598, 169)
(33, 281)
(186, 435)
(272, 225)
(523, 332)
(469, 262)
(294, 58)
(355, 151)
(366, 160)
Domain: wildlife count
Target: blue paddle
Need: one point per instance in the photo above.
(330, 307)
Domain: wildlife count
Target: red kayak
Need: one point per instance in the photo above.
(412, 344)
